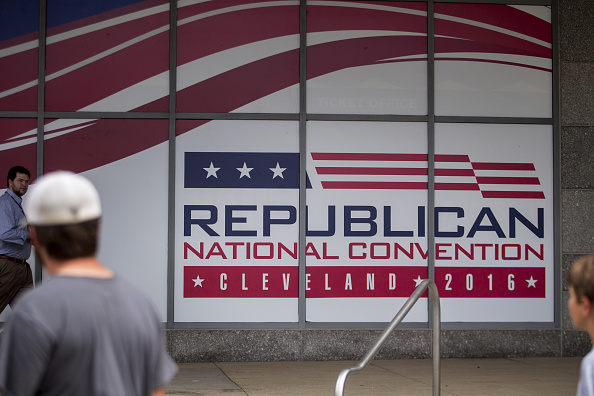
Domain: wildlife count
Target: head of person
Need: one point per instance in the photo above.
(581, 290)
(17, 180)
(64, 211)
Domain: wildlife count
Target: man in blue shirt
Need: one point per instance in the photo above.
(15, 245)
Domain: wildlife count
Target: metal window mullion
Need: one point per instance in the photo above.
(556, 113)
(510, 2)
(430, 149)
(40, 108)
(171, 164)
(301, 306)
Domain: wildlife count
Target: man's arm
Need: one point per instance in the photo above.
(10, 231)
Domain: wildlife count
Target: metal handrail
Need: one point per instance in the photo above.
(426, 284)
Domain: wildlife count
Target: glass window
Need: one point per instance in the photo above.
(252, 67)
(494, 222)
(367, 57)
(127, 160)
(19, 55)
(366, 222)
(237, 211)
(107, 59)
(493, 60)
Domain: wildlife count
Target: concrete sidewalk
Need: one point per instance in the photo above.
(462, 377)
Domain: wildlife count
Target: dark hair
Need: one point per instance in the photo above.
(71, 241)
(13, 172)
(581, 277)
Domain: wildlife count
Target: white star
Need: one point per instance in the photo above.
(245, 171)
(211, 171)
(278, 171)
(198, 281)
(532, 282)
(418, 281)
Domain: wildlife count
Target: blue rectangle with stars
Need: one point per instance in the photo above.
(241, 170)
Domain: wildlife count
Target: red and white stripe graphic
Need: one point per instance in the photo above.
(408, 171)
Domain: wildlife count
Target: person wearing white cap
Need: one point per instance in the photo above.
(85, 331)
(16, 277)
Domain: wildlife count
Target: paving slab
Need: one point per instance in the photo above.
(413, 377)
(201, 379)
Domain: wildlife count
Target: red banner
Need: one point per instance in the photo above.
(361, 281)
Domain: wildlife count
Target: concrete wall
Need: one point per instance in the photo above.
(277, 345)
(576, 44)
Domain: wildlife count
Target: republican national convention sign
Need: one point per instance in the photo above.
(366, 223)
(367, 208)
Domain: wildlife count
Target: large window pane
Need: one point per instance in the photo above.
(19, 47)
(18, 145)
(127, 162)
(493, 60)
(366, 229)
(494, 223)
(238, 56)
(112, 56)
(367, 57)
(237, 199)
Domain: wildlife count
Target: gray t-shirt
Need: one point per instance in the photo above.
(586, 384)
(84, 336)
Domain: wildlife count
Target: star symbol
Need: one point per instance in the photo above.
(211, 171)
(418, 281)
(198, 281)
(532, 282)
(278, 171)
(245, 171)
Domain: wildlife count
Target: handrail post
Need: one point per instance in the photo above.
(436, 341)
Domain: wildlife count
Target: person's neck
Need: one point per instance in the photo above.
(14, 194)
(85, 267)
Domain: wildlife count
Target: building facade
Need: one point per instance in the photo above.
(279, 175)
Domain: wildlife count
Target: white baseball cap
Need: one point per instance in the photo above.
(62, 198)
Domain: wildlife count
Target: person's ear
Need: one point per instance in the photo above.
(38, 248)
(33, 236)
(585, 306)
